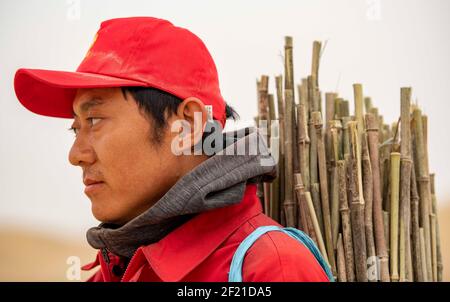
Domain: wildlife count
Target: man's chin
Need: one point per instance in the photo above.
(103, 213)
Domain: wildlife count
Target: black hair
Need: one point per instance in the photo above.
(158, 105)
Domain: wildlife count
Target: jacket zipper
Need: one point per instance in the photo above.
(129, 262)
(107, 261)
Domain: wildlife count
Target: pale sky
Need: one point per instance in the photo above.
(384, 45)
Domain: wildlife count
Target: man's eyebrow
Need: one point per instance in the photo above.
(88, 105)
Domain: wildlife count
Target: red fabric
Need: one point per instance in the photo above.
(202, 249)
(138, 51)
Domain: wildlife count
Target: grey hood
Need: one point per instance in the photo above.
(217, 182)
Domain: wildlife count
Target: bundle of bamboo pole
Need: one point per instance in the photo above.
(360, 188)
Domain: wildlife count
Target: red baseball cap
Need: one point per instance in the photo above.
(137, 51)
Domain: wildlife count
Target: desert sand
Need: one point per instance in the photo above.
(27, 255)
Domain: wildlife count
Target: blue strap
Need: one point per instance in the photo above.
(235, 274)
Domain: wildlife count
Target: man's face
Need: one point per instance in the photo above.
(125, 173)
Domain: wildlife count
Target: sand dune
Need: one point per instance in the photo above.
(26, 255)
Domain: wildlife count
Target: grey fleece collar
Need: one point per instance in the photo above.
(217, 182)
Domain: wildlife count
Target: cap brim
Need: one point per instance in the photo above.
(51, 92)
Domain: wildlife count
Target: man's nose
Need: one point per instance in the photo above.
(81, 152)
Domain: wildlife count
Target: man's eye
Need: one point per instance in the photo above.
(93, 120)
(75, 130)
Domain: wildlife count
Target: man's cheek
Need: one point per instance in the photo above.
(113, 150)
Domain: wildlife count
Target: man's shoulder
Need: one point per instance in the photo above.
(276, 256)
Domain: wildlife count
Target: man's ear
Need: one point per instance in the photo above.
(193, 112)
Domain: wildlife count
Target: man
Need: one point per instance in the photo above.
(168, 212)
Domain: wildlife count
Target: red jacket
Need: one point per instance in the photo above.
(202, 248)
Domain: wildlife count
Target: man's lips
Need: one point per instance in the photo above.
(90, 181)
(92, 185)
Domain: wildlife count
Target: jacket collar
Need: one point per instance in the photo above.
(177, 254)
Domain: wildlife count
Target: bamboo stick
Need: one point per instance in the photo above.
(438, 242)
(303, 223)
(317, 231)
(298, 152)
(415, 231)
(337, 108)
(263, 101)
(288, 64)
(368, 207)
(394, 213)
(402, 252)
(315, 98)
(319, 100)
(405, 187)
(342, 273)
(386, 219)
(357, 204)
(346, 222)
(263, 104)
(423, 253)
(274, 202)
(271, 114)
(289, 203)
(281, 162)
(334, 186)
(311, 89)
(359, 109)
(304, 97)
(303, 141)
(329, 152)
(433, 246)
(317, 120)
(424, 188)
(329, 117)
(295, 136)
(345, 108)
(345, 136)
(385, 151)
(313, 166)
(302, 218)
(395, 134)
(374, 111)
(317, 46)
(280, 104)
(434, 237)
(315, 195)
(340, 142)
(345, 196)
(267, 186)
(303, 206)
